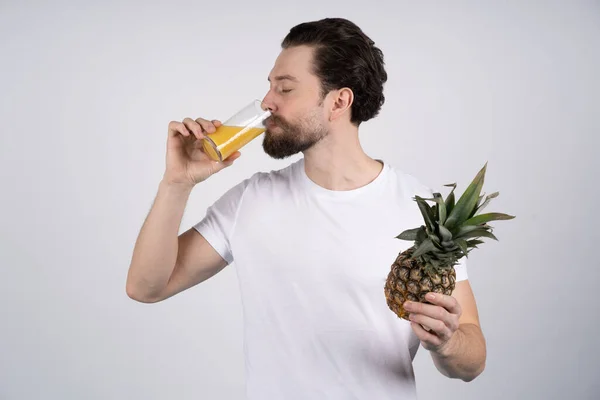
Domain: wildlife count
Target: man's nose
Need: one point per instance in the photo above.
(268, 103)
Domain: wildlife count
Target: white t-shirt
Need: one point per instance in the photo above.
(312, 265)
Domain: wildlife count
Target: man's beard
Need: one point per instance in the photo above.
(292, 139)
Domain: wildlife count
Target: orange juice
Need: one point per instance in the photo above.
(228, 139)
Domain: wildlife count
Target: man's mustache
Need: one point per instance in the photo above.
(274, 119)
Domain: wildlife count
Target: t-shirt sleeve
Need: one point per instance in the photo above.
(461, 270)
(219, 222)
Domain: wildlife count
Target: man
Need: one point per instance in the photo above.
(313, 242)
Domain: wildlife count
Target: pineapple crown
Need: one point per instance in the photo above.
(452, 229)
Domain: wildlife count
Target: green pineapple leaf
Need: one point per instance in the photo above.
(474, 210)
(478, 233)
(483, 218)
(427, 213)
(479, 199)
(425, 247)
(450, 199)
(445, 233)
(421, 236)
(474, 242)
(467, 202)
(463, 246)
(485, 203)
(410, 234)
(435, 239)
(449, 246)
(440, 214)
(459, 231)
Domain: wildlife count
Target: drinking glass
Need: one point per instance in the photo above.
(239, 130)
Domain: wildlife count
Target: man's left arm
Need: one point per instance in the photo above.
(449, 328)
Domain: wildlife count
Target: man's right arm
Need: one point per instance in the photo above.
(163, 263)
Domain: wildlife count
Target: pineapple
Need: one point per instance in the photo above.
(450, 232)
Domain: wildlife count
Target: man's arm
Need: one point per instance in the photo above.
(163, 263)
(449, 328)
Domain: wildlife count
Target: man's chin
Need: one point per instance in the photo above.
(273, 130)
(278, 151)
(278, 155)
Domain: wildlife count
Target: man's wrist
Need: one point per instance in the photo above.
(177, 187)
(452, 346)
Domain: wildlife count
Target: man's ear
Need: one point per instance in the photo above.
(341, 103)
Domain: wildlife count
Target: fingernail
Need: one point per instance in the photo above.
(407, 304)
(430, 296)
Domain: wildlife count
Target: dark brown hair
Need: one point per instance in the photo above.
(344, 57)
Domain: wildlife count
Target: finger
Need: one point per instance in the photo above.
(216, 123)
(424, 336)
(178, 128)
(194, 127)
(430, 310)
(448, 302)
(229, 160)
(436, 326)
(206, 125)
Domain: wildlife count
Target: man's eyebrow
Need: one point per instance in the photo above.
(284, 77)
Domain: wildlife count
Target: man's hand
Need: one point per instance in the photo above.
(435, 324)
(187, 163)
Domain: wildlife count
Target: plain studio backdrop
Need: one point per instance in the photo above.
(87, 94)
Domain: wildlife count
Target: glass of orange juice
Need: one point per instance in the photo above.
(237, 131)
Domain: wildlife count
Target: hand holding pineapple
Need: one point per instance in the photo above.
(435, 323)
(450, 232)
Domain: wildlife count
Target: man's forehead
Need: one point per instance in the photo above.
(292, 64)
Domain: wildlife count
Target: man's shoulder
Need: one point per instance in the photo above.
(259, 185)
(408, 182)
(284, 174)
(261, 180)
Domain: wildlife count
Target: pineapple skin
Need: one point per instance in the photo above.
(407, 280)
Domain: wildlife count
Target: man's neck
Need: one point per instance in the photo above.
(338, 162)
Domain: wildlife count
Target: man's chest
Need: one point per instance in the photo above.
(314, 243)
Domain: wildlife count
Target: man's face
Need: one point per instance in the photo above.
(298, 118)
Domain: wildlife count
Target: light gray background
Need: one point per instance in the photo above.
(88, 91)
